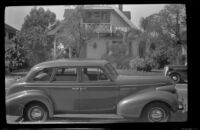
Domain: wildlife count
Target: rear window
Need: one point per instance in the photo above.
(66, 74)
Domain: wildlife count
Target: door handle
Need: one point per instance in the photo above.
(82, 89)
(75, 88)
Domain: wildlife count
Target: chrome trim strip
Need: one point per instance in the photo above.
(145, 84)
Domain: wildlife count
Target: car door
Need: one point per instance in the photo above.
(98, 94)
(64, 90)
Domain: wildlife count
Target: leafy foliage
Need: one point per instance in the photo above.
(118, 56)
(73, 34)
(33, 35)
(15, 57)
(141, 64)
(164, 35)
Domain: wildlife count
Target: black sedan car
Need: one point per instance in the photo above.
(178, 73)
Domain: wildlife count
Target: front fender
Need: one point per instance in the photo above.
(133, 105)
(15, 102)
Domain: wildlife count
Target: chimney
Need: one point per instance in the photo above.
(121, 7)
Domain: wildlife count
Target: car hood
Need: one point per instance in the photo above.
(143, 80)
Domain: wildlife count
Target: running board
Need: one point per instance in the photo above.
(99, 116)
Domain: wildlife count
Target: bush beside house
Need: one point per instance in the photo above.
(141, 64)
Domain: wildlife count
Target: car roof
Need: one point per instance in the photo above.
(71, 62)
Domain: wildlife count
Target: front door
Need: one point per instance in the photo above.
(97, 93)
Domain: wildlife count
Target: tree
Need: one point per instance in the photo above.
(15, 56)
(174, 22)
(73, 34)
(166, 29)
(118, 56)
(33, 36)
(130, 35)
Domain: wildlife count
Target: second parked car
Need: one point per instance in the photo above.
(178, 73)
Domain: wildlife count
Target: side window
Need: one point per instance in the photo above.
(65, 74)
(43, 75)
(93, 74)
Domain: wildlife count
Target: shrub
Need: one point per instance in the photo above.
(141, 64)
(15, 58)
(120, 62)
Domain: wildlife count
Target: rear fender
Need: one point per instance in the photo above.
(133, 105)
(16, 102)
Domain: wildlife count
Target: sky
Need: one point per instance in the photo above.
(14, 15)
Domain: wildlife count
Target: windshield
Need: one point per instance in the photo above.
(111, 70)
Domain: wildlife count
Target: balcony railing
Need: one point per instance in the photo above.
(98, 27)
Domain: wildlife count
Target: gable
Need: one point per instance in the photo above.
(117, 21)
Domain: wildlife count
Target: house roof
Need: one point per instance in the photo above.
(128, 14)
(124, 17)
(104, 7)
(10, 28)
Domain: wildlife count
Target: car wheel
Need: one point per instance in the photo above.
(35, 112)
(176, 77)
(156, 112)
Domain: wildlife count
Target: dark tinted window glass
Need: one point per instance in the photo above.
(93, 74)
(43, 75)
(65, 74)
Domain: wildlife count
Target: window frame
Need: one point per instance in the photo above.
(55, 70)
(97, 67)
(33, 75)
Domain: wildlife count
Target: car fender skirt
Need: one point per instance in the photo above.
(133, 105)
(15, 103)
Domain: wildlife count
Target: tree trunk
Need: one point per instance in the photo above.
(54, 49)
(70, 52)
(130, 48)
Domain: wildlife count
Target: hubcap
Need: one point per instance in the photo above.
(157, 115)
(36, 113)
(175, 78)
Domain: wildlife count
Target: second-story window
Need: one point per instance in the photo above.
(96, 17)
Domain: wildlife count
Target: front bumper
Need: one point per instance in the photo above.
(181, 106)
